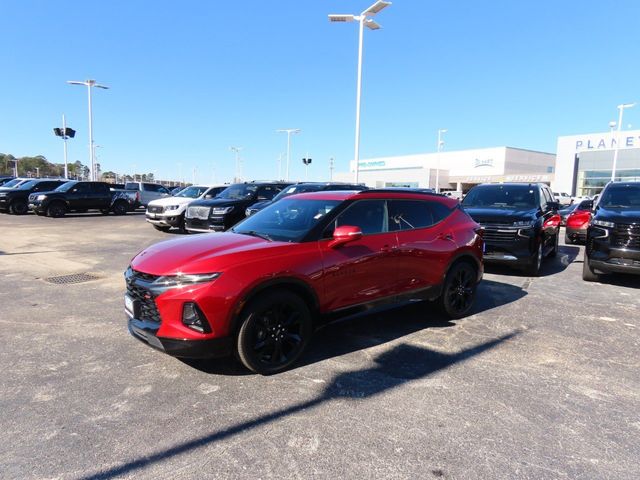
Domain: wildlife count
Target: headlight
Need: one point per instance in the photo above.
(221, 210)
(172, 207)
(247, 212)
(167, 282)
(602, 223)
(41, 197)
(524, 223)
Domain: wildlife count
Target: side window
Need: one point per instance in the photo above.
(370, 215)
(546, 193)
(162, 189)
(410, 214)
(81, 188)
(150, 187)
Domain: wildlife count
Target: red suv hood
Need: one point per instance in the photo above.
(194, 254)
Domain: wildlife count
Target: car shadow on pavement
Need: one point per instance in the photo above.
(392, 369)
(98, 214)
(550, 266)
(343, 337)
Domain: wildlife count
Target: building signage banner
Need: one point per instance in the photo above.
(483, 162)
(607, 143)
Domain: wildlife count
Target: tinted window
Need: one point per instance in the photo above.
(152, 187)
(410, 214)
(370, 215)
(65, 187)
(501, 196)
(267, 193)
(81, 187)
(191, 192)
(131, 186)
(620, 196)
(239, 191)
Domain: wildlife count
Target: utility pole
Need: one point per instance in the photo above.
(238, 167)
(331, 169)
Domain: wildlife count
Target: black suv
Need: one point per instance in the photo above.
(228, 208)
(16, 200)
(520, 222)
(613, 236)
(304, 188)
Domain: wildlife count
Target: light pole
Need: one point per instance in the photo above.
(615, 152)
(89, 84)
(440, 145)
(307, 162)
(331, 169)
(237, 152)
(65, 133)
(289, 131)
(364, 20)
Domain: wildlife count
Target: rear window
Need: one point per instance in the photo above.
(132, 186)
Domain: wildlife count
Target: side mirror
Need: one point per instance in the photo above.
(209, 196)
(554, 205)
(345, 234)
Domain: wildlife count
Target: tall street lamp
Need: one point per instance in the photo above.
(615, 152)
(364, 20)
(237, 152)
(289, 131)
(65, 133)
(440, 145)
(89, 84)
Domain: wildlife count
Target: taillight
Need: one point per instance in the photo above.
(578, 219)
(552, 222)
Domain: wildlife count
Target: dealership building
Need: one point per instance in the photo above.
(457, 170)
(584, 162)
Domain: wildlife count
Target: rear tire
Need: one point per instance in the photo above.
(459, 290)
(18, 207)
(162, 228)
(56, 210)
(120, 208)
(588, 275)
(275, 329)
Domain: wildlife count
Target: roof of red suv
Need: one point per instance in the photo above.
(381, 193)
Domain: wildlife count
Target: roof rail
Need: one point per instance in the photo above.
(419, 191)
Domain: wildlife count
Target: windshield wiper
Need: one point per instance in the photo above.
(253, 233)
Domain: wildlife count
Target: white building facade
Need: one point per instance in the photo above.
(457, 170)
(584, 162)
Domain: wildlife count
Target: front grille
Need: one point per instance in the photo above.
(148, 308)
(499, 233)
(155, 209)
(626, 235)
(201, 213)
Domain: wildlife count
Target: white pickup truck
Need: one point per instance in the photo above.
(148, 191)
(166, 213)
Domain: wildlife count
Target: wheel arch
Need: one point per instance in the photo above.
(295, 285)
(465, 257)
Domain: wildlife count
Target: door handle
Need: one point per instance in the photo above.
(445, 236)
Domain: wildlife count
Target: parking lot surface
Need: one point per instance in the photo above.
(541, 382)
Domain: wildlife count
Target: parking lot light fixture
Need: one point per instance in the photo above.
(439, 149)
(363, 20)
(615, 152)
(89, 84)
(289, 131)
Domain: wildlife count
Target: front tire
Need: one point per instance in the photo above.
(459, 291)
(56, 210)
(536, 263)
(120, 208)
(588, 275)
(553, 253)
(18, 207)
(275, 328)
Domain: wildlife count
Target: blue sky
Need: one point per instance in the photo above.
(189, 79)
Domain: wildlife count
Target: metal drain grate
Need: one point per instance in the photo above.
(73, 278)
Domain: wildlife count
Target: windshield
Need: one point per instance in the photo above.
(288, 220)
(621, 196)
(191, 192)
(293, 189)
(66, 186)
(13, 183)
(502, 196)
(27, 185)
(239, 191)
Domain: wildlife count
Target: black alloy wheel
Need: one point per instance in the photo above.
(120, 208)
(56, 210)
(459, 290)
(275, 329)
(19, 207)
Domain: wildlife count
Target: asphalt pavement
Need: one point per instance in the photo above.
(542, 381)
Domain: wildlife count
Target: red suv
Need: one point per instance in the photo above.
(260, 289)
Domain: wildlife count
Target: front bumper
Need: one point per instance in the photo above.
(509, 246)
(197, 225)
(164, 220)
(146, 331)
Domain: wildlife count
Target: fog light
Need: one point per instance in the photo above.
(193, 318)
